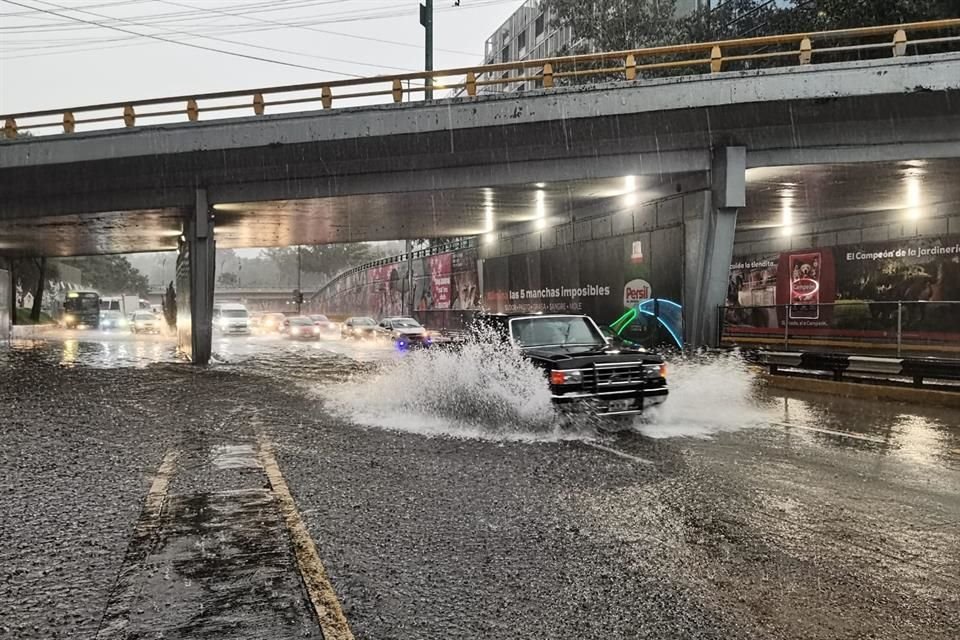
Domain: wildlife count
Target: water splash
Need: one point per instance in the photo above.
(482, 389)
(708, 395)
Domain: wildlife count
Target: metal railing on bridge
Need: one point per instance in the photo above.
(892, 327)
(707, 57)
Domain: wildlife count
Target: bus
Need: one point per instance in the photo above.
(81, 309)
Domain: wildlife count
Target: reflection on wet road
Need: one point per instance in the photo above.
(736, 511)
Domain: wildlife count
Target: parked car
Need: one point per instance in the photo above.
(359, 328)
(584, 366)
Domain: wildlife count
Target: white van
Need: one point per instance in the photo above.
(231, 318)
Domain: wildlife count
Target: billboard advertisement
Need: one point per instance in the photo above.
(439, 282)
(600, 278)
(864, 281)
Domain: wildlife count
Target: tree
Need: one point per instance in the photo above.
(32, 274)
(38, 289)
(325, 259)
(111, 275)
(228, 280)
(614, 25)
(169, 305)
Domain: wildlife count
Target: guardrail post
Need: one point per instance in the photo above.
(631, 67)
(548, 76)
(716, 60)
(786, 327)
(258, 104)
(193, 112)
(806, 51)
(397, 91)
(326, 97)
(471, 84)
(129, 116)
(10, 128)
(900, 43)
(899, 327)
(69, 122)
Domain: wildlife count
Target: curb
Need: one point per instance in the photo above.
(864, 390)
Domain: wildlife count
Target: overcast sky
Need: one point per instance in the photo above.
(55, 53)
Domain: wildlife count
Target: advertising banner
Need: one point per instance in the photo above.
(804, 290)
(599, 278)
(866, 282)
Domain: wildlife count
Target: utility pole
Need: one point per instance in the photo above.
(426, 19)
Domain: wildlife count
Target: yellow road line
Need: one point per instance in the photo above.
(329, 612)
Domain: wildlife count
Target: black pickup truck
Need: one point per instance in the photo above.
(584, 366)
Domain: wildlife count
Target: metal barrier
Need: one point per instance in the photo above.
(706, 57)
(918, 370)
(894, 326)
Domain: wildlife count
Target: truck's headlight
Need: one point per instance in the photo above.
(566, 377)
(655, 370)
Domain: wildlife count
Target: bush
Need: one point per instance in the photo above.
(23, 317)
(851, 314)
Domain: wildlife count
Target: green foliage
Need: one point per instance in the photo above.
(111, 275)
(24, 316)
(228, 280)
(325, 259)
(851, 314)
(611, 25)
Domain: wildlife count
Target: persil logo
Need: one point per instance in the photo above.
(636, 291)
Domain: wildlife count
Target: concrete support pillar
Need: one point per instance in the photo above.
(708, 236)
(7, 299)
(196, 264)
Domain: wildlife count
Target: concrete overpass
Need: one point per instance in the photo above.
(478, 164)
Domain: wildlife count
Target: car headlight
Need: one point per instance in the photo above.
(566, 377)
(69, 318)
(121, 323)
(224, 323)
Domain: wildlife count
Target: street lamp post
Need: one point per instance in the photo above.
(426, 19)
(299, 290)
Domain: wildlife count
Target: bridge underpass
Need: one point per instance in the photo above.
(493, 163)
(150, 500)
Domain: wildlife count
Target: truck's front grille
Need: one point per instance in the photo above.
(611, 377)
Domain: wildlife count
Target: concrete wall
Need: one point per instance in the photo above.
(647, 217)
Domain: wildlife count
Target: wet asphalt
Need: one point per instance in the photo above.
(818, 517)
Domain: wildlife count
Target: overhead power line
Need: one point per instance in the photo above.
(170, 40)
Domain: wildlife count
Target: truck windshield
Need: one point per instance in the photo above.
(555, 332)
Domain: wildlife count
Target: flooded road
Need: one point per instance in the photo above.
(137, 502)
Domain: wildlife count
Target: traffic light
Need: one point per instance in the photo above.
(298, 296)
